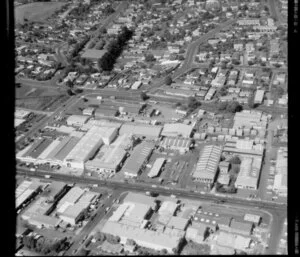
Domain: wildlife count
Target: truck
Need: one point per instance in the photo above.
(99, 97)
(106, 209)
(32, 169)
(95, 185)
(47, 176)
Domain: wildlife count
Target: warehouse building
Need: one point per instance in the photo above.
(55, 190)
(74, 204)
(25, 191)
(101, 113)
(44, 221)
(154, 172)
(148, 131)
(140, 198)
(178, 223)
(280, 180)
(256, 219)
(100, 123)
(77, 120)
(241, 227)
(180, 144)
(249, 173)
(196, 232)
(138, 158)
(259, 96)
(108, 160)
(244, 148)
(46, 152)
(167, 208)
(145, 238)
(88, 145)
(177, 129)
(207, 165)
(21, 114)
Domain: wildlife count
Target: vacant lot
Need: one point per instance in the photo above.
(38, 11)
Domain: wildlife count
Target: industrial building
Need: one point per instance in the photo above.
(55, 190)
(143, 237)
(196, 232)
(154, 172)
(140, 198)
(21, 113)
(167, 208)
(100, 123)
(207, 164)
(241, 227)
(138, 158)
(77, 120)
(109, 159)
(248, 176)
(259, 96)
(88, 145)
(25, 191)
(73, 205)
(178, 223)
(148, 131)
(244, 147)
(280, 180)
(180, 144)
(177, 129)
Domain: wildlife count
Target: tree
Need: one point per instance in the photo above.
(168, 80)
(193, 103)
(149, 58)
(103, 30)
(234, 107)
(223, 91)
(70, 92)
(222, 106)
(144, 96)
(69, 84)
(251, 103)
(235, 160)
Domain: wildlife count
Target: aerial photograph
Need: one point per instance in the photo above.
(151, 127)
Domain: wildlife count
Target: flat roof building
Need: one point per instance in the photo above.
(138, 158)
(149, 131)
(140, 198)
(146, 238)
(178, 223)
(85, 148)
(154, 172)
(177, 129)
(174, 143)
(207, 164)
(77, 120)
(259, 96)
(249, 173)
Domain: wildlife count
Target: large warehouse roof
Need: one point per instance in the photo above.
(176, 129)
(137, 158)
(93, 54)
(140, 198)
(141, 130)
(88, 143)
(143, 237)
(72, 196)
(208, 162)
(156, 167)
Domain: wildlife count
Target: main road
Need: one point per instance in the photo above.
(146, 187)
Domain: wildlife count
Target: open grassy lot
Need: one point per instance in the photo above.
(38, 11)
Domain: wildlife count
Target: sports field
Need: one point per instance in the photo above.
(38, 11)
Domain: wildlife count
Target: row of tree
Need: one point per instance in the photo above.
(78, 47)
(114, 50)
(232, 107)
(45, 245)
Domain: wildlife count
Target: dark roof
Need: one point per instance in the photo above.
(242, 226)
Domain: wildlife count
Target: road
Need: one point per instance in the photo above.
(146, 187)
(91, 224)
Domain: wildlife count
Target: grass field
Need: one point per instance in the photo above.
(38, 11)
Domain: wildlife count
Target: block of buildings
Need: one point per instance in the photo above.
(174, 143)
(177, 129)
(155, 170)
(138, 159)
(207, 164)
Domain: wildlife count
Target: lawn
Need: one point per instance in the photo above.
(37, 11)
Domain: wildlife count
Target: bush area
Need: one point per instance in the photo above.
(114, 50)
